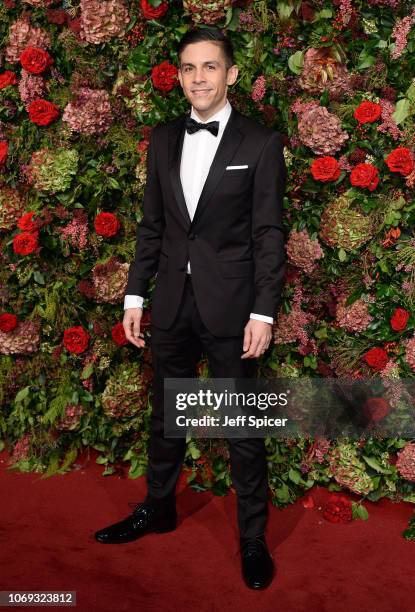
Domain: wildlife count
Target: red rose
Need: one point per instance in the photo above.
(4, 149)
(106, 224)
(42, 112)
(7, 78)
(26, 223)
(376, 408)
(35, 60)
(367, 112)
(76, 339)
(338, 509)
(399, 319)
(25, 243)
(7, 322)
(376, 358)
(164, 76)
(75, 25)
(400, 160)
(118, 334)
(365, 175)
(325, 169)
(151, 12)
(56, 16)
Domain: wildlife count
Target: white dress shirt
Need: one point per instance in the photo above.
(198, 152)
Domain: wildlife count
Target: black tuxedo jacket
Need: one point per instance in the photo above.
(235, 242)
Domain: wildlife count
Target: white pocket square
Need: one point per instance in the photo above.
(236, 167)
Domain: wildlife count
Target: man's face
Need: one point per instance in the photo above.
(204, 78)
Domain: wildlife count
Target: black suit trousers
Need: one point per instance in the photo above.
(175, 354)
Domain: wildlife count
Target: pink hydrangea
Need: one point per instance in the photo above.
(406, 462)
(410, 353)
(354, 317)
(302, 251)
(31, 87)
(76, 232)
(21, 35)
(90, 112)
(321, 130)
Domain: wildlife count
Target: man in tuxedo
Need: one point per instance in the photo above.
(212, 231)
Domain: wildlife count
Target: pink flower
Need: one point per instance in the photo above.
(410, 353)
(302, 251)
(400, 33)
(258, 89)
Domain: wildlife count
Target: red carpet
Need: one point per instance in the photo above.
(46, 539)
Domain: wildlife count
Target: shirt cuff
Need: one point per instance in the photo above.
(261, 318)
(133, 301)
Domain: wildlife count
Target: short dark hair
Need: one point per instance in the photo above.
(212, 34)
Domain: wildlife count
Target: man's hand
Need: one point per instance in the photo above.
(257, 336)
(131, 324)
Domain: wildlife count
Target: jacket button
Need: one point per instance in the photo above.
(192, 236)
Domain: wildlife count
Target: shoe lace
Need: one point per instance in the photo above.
(137, 507)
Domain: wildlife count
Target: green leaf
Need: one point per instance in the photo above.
(365, 60)
(69, 458)
(228, 14)
(410, 93)
(22, 394)
(375, 465)
(402, 110)
(284, 10)
(194, 451)
(38, 277)
(321, 333)
(53, 465)
(233, 24)
(294, 476)
(138, 61)
(283, 493)
(359, 511)
(296, 62)
(114, 183)
(87, 371)
(324, 14)
(342, 254)
(101, 460)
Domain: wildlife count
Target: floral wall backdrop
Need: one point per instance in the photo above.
(81, 85)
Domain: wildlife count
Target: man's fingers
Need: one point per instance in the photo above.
(247, 338)
(257, 347)
(131, 324)
(252, 348)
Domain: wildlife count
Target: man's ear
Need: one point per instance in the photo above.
(232, 75)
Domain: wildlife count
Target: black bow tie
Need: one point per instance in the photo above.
(193, 126)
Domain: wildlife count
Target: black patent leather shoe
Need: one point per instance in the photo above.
(257, 563)
(144, 519)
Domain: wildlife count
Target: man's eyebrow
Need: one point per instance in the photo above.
(208, 62)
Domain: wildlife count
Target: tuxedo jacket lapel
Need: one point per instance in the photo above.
(230, 141)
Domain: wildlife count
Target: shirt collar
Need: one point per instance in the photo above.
(222, 115)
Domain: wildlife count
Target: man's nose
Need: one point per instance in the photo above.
(199, 76)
